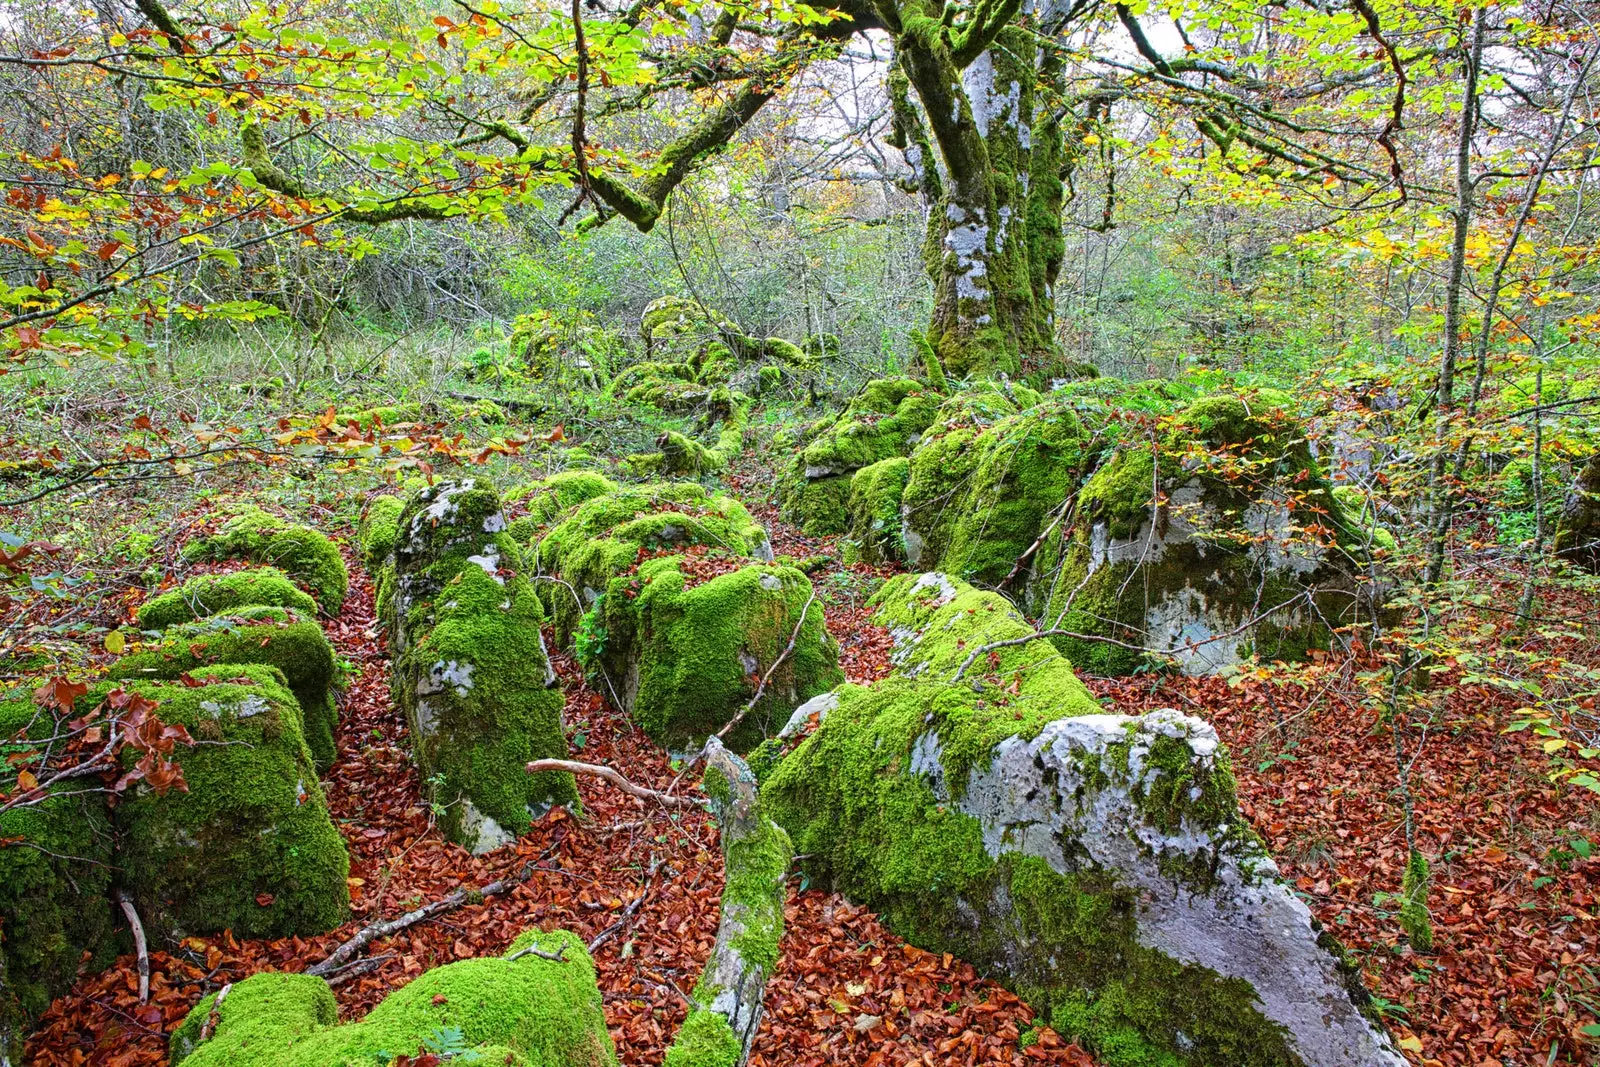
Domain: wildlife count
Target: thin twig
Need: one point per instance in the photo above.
(139, 944)
(761, 689)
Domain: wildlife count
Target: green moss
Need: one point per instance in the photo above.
(1414, 917)
(882, 421)
(380, 529)
(984, 482)
(705, 1040)
(276, 637)
(874, 507)
(877, 831)
(250, 846)
(544, 1012)
(603, 536)
(692, 657)
(548, 498)
(208, 594)
(306, 555)
(55, 876)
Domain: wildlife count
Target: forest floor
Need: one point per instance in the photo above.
(1515, 975)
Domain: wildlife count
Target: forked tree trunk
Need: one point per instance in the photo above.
(987, 157)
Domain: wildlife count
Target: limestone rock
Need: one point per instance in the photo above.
(985, 805)
(470, 668)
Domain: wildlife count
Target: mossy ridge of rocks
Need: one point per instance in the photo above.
(305, 554)
(469, 666)
(249, 847)
(273, 636)
(1097, 863)
(685, 658)
(207, 594)
(605, 535)
(519, 1008)
(1217, 540)
(884, 420)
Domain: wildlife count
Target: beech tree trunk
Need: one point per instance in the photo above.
(988, 160)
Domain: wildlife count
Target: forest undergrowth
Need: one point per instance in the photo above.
(1512, 977)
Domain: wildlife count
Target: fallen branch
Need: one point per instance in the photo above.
(139, 944)
(387, 928)
(611, 775)
(532, 407)
(558, 956)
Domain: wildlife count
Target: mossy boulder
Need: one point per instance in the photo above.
(379, 530)
(985, 482)
(606, 535)
(884, 420)
(546, 499)
(559, 349)
(1211, 538)
(985, 806)
(207, 594)
(250, 846)
(276, 637)
(519, 1008)
(685, 657)
(306, 555)
(874, 507)
(470, 668)
(1578, 529)
(55, 879)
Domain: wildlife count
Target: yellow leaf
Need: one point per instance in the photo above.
(26, 780)
(1410, 1044)
(115, 642)
(1555, 744)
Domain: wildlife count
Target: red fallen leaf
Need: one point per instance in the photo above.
(265, 899)
(440, 998)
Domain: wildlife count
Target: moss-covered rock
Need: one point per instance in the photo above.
(545, 500)
(208, 594)
(884, 420)
(379, 530)
(1095, 863)
(250, 846)
(1212, 538)
(55, 876)
(563, 348)
(519, 1008)
(985, 482)
(874, 507)
(276, 637)
(686, 658)
(1578, 529)
(604, 536)
(470, 667)
(306, 555)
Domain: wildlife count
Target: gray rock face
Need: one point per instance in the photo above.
(1037, 798)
